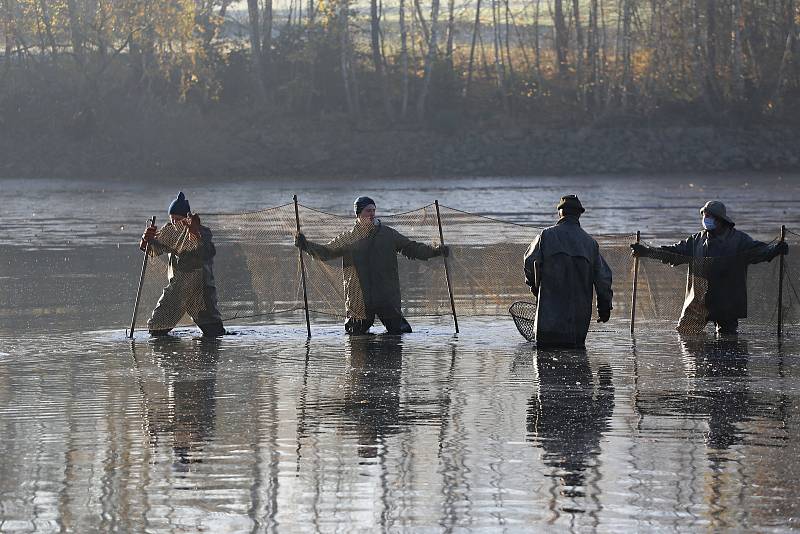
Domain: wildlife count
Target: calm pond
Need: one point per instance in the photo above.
(265, 431)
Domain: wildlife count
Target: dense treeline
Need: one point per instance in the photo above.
(123, 69)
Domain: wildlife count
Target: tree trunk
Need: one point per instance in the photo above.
(737, 70)
(579, 83)
(8, 32)
(422, 23)
(403, 59)
(507, 36)
(350, 89)
(429, 60)
(48, 27)
(781, 81)
(627, 44)
(255, 49)
(451, 18)
(76, 34)
(475, 29)
(561, 38)
(377, 57)
(537, 45)
(711, 51)
(592, 56)
(266, 37)
(499, 68)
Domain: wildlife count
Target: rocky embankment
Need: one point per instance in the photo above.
(329, 149)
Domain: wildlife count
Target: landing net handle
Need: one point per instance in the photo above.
(446, 270)
(302, 267)
(635, 283)
(781, 268)
(152, 222)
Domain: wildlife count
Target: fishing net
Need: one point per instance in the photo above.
(691, 292)
(258, 274)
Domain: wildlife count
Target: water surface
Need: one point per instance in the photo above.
(433, 432)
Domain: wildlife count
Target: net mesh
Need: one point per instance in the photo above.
(257, 271)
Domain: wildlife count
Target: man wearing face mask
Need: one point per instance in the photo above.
(563, 266)
(718, 256)
(369, 261)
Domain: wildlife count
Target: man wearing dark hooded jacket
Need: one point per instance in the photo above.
(369, 261)
(716, 284)
(562, 267)
(191, 288)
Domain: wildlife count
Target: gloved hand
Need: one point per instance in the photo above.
(443, 250)
(782, 248)
(638, 250)
(300, 241)
(192, 222)
(148, 235)
(603, 316)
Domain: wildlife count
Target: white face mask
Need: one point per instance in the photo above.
(709, 223)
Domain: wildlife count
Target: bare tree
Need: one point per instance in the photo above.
(255, 49)
(377, 57)
(561, 37)
(429, 60)
(403, 58)
(475, 32)
(451, 19)
(76, 33)
(737, 71)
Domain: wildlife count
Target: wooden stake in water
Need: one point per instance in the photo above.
(635, 283)
(446, 270)
(302, 267)
(780, 283)
(141, 281)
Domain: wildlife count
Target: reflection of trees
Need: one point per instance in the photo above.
(567, 417)
(189, 385)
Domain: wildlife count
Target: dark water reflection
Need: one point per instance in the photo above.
(567, 417)
(264, 432)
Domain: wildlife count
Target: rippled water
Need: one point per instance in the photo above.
(432, 432)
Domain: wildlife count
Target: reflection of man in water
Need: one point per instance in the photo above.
(563, 266)
(727, 400)
(567, 417)
(372, 395)
(369, 261)
(190, 382)
(191, 287)
(716, 289)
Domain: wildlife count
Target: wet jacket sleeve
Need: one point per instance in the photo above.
(757, 251)
(678, 254)
(335, 248)
(157, 248)
(532, 257)
(602, 282)
(413, 250)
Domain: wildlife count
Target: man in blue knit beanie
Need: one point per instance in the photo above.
(191, 287)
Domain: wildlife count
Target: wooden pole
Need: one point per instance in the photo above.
(302, 267)
(152, 222)
(780, 283)
(446, 269)
(635, 283)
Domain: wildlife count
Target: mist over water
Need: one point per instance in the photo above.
(265, 431)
